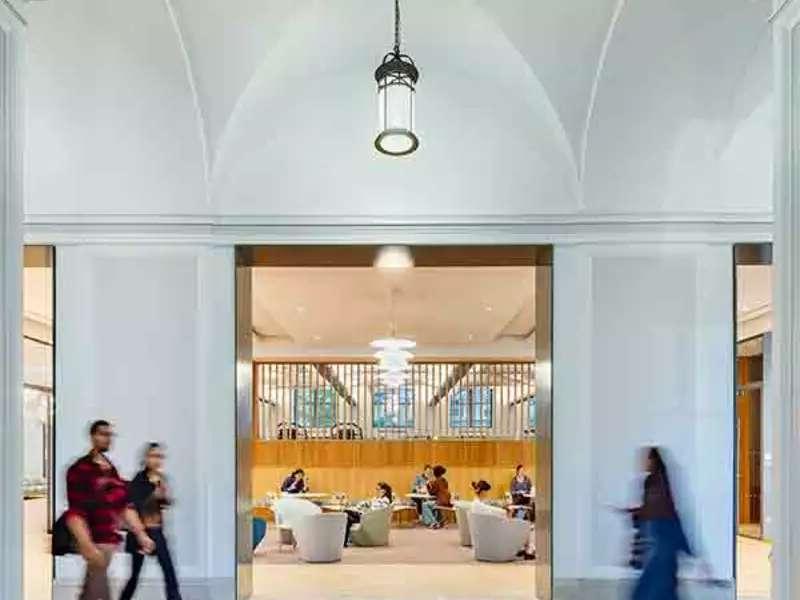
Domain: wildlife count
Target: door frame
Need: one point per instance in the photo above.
(539, 256)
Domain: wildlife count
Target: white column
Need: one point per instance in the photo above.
(10, 309)
(145, 339)
(786, 370)
(643, 355)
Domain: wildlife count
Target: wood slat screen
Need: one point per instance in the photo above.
(440, 400)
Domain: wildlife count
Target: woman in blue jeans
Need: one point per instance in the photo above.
(149, 494)
(663, 533)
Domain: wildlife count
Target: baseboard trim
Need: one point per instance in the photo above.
(153, 589)
(614, 589)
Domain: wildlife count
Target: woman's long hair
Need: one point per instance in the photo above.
(387, 490)
(659, 467)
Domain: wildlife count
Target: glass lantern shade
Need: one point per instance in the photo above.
(396, 77)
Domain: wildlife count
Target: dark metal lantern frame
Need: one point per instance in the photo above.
(396, 69)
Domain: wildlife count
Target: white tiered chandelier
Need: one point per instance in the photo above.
(393, 353)
(393, 360)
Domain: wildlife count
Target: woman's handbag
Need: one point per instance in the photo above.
(63, 542)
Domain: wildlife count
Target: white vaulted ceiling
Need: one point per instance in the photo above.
(266, 107)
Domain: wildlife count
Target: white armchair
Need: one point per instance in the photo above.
(320, 538)
(287, 512)
(497, 539)
(463, 509)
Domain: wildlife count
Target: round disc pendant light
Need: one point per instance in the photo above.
(397, 78)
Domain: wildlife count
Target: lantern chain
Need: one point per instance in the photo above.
(397, 26)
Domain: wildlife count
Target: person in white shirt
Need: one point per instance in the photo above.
(480, 504)
(383, 499)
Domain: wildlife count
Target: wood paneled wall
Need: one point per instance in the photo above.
(355, 467)
(748, 420)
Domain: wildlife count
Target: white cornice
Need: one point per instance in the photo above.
(466, 229)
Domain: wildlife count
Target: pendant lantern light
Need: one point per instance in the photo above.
(397, 78)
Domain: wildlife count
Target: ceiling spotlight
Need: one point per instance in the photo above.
(394, 257)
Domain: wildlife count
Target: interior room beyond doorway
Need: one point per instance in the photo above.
(379, 379)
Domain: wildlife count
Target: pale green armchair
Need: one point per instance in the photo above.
(373, 529)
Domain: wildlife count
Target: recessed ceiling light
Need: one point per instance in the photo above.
(470, 337)
(316, 338)
(394, 257)
(300, 309)
(488, 308)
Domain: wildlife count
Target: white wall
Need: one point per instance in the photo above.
(145, 340)
(643, 343)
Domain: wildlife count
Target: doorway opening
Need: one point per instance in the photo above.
(754, 423)
(422, 370)
(38, 333)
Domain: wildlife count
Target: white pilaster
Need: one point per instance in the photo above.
(10, 306)
(786, 450)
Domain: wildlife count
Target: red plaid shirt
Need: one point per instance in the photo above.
(99, 496)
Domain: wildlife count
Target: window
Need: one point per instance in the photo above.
(471, 407)
(393, 408)
(314, 407)
(532, 413)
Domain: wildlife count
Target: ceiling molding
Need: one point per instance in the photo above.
(755, 313)
(468, 229)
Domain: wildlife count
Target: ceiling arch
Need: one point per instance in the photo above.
(490, 135)
(267, 107)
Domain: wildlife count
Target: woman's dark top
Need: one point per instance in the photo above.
(145, 498)
(657, 502)
(142, 494)
(440, 490)
(291, 485)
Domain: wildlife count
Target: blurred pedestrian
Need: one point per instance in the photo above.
(150, 494)
(661, 527)
(98, 504)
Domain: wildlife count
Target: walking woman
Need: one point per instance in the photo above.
(661, 528)
(150, 495)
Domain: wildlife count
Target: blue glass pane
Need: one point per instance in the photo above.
(459, 408)
(532, 413)
(314, 407)
(393, 408)
(471, 407)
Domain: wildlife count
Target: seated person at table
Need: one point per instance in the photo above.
(383, 499)
(420, 486)
(481, 502)
(481, 506)
(521, 488)
(440, 490)
(295, 483)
